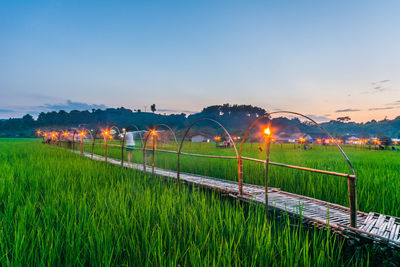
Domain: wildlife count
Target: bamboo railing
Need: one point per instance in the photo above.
(106, 135)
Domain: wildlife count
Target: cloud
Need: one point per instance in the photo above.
(6, 110)
(383, 108)
(21, 110)
(378, 87)
(396, 103)
(347, 110)
(318, 118)
(70, 105)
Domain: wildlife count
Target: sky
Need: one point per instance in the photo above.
(326, 59)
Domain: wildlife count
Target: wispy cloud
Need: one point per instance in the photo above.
(6, 110)
(347, 110)
(395, 103)
(16, 111)
(70, 105)
(318, 118)
(379, 87)
(382, 108)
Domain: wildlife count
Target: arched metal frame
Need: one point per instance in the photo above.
(137, 128)
(73, 140)
(153, 148)
(114, 127)
(351, 179)
(82, 137)
(105, 141)
(94, 141)
(186, 133)
(59, 137)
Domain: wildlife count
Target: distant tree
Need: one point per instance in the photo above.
(235, 118)
(344, 119)
(28, 120)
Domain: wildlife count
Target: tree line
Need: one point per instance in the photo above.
(236, 118)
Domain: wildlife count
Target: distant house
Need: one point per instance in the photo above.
(396, 141)
(352, 140)
(198, 138)
(283, 137)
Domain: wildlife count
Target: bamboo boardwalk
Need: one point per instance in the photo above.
(371, 227)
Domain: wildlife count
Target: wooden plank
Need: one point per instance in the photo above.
(371, 225)
(390, 224)
(381, 219)
(386, 235)
(396, 233)
(392, 233)
(382, 228)
(369, 217)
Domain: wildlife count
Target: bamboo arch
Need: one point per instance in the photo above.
(186, 133)
(351, 179)
(153, 148)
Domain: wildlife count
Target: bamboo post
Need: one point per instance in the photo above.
(267, 149)
(73, 141)
(178, 167)
(81, 143)
(152, 154)
(240, 175)
(352, 201)
(105, 148)
(93, 142)
(144, 158)
(122, 149)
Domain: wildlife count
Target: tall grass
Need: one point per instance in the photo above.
(377, 171)
(57, 208)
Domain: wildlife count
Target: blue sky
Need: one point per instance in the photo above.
(324, 58)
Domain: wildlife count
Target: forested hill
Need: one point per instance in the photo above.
(236, 118)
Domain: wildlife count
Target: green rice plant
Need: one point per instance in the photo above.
(377, 171)
(58, 208)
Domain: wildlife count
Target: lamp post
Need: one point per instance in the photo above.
(39, 134)
(82, 134)
(267, 139)
(53, 136)
(153, 139)
(105, 134)
(65, 134)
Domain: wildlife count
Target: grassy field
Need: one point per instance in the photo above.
(377, 184)
(57, 208)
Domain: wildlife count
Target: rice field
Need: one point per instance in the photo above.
(58, 208)
(378, 180)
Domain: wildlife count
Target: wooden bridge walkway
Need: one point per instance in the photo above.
(371, 226)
